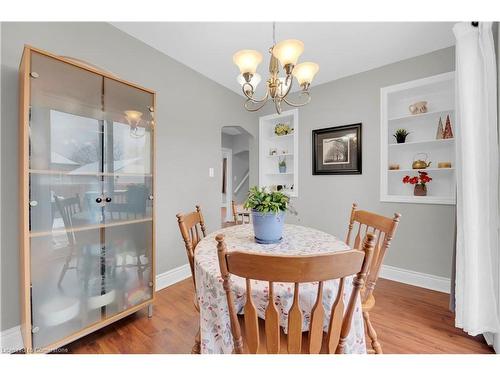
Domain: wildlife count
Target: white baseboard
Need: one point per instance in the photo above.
(173, 276)
(423, 280)
(11, 340)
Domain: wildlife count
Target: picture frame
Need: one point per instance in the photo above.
(337, 150)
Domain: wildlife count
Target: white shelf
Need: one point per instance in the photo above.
(278, 155)
(445, 199)
(421, 115)
(425, 170)
(286, 136)
(439, 92)
(424, 142)
(289, 144)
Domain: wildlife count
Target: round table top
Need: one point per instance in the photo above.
(297, 240)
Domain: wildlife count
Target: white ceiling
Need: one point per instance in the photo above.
(340, 48)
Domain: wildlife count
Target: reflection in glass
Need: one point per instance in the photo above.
(128, 197)
(132, 247)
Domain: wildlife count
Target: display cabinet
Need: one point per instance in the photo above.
(86, 199)
(425, 141)
(278, 153)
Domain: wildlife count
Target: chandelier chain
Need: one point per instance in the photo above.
(274, 33)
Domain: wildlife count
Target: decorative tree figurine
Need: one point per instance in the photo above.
(440, 130)
(448, 133)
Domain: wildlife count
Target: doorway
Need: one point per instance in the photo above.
(227, 186)
(235, 164)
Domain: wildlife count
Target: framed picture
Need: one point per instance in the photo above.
(337, 150)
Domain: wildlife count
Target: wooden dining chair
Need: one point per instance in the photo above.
(294, 269)
(68, 207)
(384, 228)
(240, 215)
(192, 227)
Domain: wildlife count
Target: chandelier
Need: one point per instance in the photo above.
(285, 53)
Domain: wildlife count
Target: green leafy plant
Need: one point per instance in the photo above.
(261, 200)
(401, 135)
(282, 162)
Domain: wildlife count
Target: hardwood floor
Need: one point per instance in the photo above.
(407, 319)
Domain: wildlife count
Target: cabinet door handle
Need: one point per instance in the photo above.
(108, 199)
(98, 199)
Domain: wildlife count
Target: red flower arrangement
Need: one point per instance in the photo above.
(422, 179)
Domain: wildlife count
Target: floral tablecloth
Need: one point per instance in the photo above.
(215, 326)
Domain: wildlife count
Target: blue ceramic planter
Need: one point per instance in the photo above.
(282, 169)
(268, 227)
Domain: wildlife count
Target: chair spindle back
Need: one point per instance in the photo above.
(192, 227)
(297, 270)
(384, 228)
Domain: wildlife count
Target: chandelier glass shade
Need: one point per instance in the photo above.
(247, 60)
(285, 54)
(134, 118)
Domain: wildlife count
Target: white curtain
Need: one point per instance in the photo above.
(477, 261)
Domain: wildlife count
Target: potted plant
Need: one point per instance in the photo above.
(420, 182)
(268, 213)
(282, 165)
(401, 135)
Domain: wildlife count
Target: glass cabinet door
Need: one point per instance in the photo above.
(128, 191)
(66, 136)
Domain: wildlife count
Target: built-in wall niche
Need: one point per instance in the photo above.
(422, 142)
(274, 149)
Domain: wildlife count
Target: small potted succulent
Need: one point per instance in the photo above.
(420, 182)
(401, 135)
(282, 165)
(268, 213)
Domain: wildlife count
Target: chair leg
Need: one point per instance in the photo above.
(197, 344)
(372, 334)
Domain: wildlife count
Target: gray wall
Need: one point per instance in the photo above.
(191, 110)
(424, 241)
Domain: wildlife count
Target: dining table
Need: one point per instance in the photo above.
(215, 326)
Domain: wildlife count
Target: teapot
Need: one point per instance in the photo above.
(420, 164)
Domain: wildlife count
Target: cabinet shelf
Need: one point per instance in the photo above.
(408, 170)
(88, 227)
(421, 115)
(429, 142)
(96, 174)
(274, 137)
(278, 155)
(437, 199)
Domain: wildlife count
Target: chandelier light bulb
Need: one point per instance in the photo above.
(305, 72)
(254, 81)
(288, 51)
(247, 60)
(133, 117)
